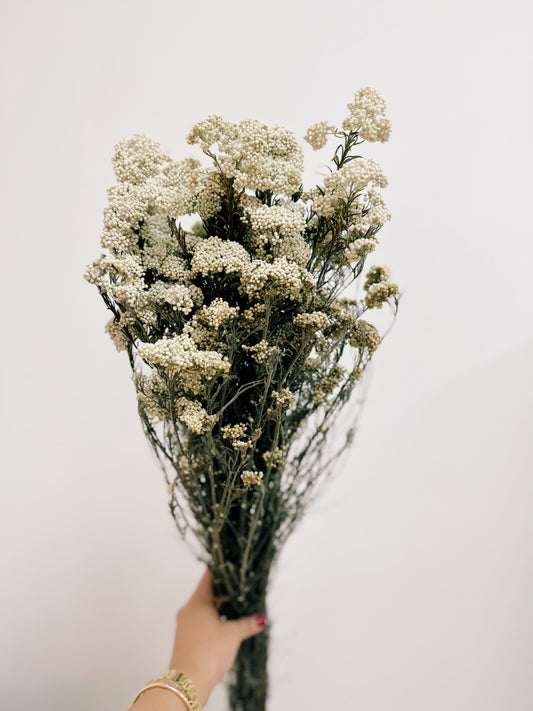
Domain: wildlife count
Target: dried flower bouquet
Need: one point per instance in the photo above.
(242, 347)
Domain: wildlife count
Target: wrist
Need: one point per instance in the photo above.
(158, 699)
(198, 678)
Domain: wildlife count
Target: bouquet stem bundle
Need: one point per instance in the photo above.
(242, 346)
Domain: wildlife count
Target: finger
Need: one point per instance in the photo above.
(248, 626)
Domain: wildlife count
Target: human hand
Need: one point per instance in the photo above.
(205, 646)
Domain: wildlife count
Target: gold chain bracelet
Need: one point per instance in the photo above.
(179, 684)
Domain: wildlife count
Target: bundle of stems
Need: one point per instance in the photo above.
(243, 346)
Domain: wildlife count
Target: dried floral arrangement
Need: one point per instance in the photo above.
(242, 347)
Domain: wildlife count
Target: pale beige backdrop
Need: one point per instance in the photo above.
(410, 584)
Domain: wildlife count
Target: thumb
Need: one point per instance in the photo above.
(249, 625)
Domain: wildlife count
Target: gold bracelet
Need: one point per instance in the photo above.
(165, 684)
(180, 684)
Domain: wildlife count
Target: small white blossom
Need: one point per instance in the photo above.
(252, 477)
(261, 352)
(215, 255)
(360, 248)
(364, 335)
(279, 221)
(127, 206)
(315, 321)
(194, 415)
(137, 158)
(181, 352)
(174, 190)
(295, 249)
(367, 115)
(317, 134)
(176, 295)
(378, 287)
(256, 156)
(341, 186)
(217, 313)
(281, 274)
(115, 329)
(283, 398)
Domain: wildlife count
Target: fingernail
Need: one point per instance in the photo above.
(261, 619)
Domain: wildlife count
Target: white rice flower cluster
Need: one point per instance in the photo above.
(297, 206)
(310, 194)
(192, 383)
(294, 249)
(314, 321)
(210, 193)
(115, 330)
(254, 155)
(234, 434)
(127, 206)
(234, 431)
(274, 458)
(255, 312)
(118, 276)
(95, 272)
(309, 287)
(283, 276)
(176, 295)
(344, 318)
(360, 248)
(277, 220)
(181, 352)
(217, 313)
(317, 134)
(160, 251)
(148, 182)
(378, 294)
(378, 212)
(328, 384)
(242, 445)
(129, 295)
(146, 311)
(365, 335)
(342, 185)
(261, 352)
(209, 131)
(197, 294)
(142, 172)
(215, 255)
(276, 231)
(378, 287)
(367, 115)
(137, 158)
(205, 338)
(175, 189)
(194, 415)
(151, 272)
(252, 477)
(259, 245)
(283, 398)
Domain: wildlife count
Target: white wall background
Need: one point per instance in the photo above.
(410, 584)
